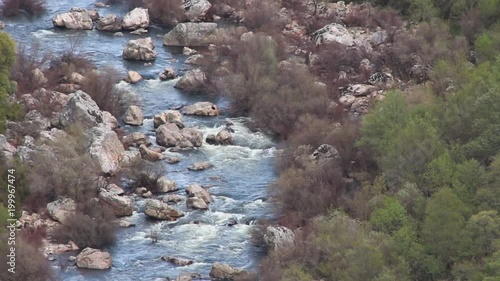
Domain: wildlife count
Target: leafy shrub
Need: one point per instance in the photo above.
(11, 8)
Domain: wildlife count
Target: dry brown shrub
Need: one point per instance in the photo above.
(165, 12)
(9, 8)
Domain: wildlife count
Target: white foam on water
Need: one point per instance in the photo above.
(155, 84)
(42, 33)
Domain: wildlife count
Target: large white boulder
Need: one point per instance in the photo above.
(137, 18)
(140, 49)
(73, 20)
(191, 35)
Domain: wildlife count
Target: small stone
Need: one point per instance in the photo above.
(173, 160)
(147, 195)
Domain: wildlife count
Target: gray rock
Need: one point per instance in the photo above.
(159, 210)
(177, 261)
(137, 18)
(93, 259)
(197, 191)
(140, 49)
(191, 35)
(172, 198)
(192, 81)
(168, 116)
(150, 155)
(109, 23)
(279, 237)
(92, 13)
(196, 203)
(61, 209)
(222, 271)
(200, 166)
(133, 116)
(204, 108)
(81, 109)
(105, 148)
(166, 185)
(73, 20)
(121, 205)
(196, 10)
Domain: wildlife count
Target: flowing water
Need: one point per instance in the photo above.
(237, 181)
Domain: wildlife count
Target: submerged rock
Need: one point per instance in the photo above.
(177, 261)
(197, 191)
(200, 166)
(196, 203)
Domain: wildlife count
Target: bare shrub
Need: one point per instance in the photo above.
(100, 86)
(11, 8)
(165, 12)
(90, 226)
(263, 16)
(61, 170)
(23, 70)
(30, 263)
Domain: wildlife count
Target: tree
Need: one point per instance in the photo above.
(391, 217)
(443, 225)
(483, 232)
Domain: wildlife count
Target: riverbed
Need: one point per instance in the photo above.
(238, 181)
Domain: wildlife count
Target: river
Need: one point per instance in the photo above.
(241, 172)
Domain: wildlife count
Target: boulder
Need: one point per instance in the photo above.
(196, 10)
(139, 31)
(184, 277)
(2, 25)
(188, 51)
(222, 272)
(54, 135)
(135, 139)
(195, 59)
(338, 33)
(73, 20)
(133, 77)
(197, 191)
(200, 166)
(173, 160)
(191, 35)
(279, 237)
(196, 203)
(358, 90)
(150, 155)
(211, 139)
(77, 78)
(165, 185)
(109, 23)
(38, 77)
(113, 188)
(168, 74)
(177, 261)
(81, 109)
(121, 205)
(169, 135)
(133, 116)
(61, 209)
(93, 259)
(159, 210)
(172, 198)
(137, 18)
(224, 137)
(148, 194)
(6, 148)
(105, 148)
(140, 49)
(192, 81)
(324, 153)
(109, 121)
(92, 13)
(347, 100)
(204, 108)
(166, 117)
(130, 157)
